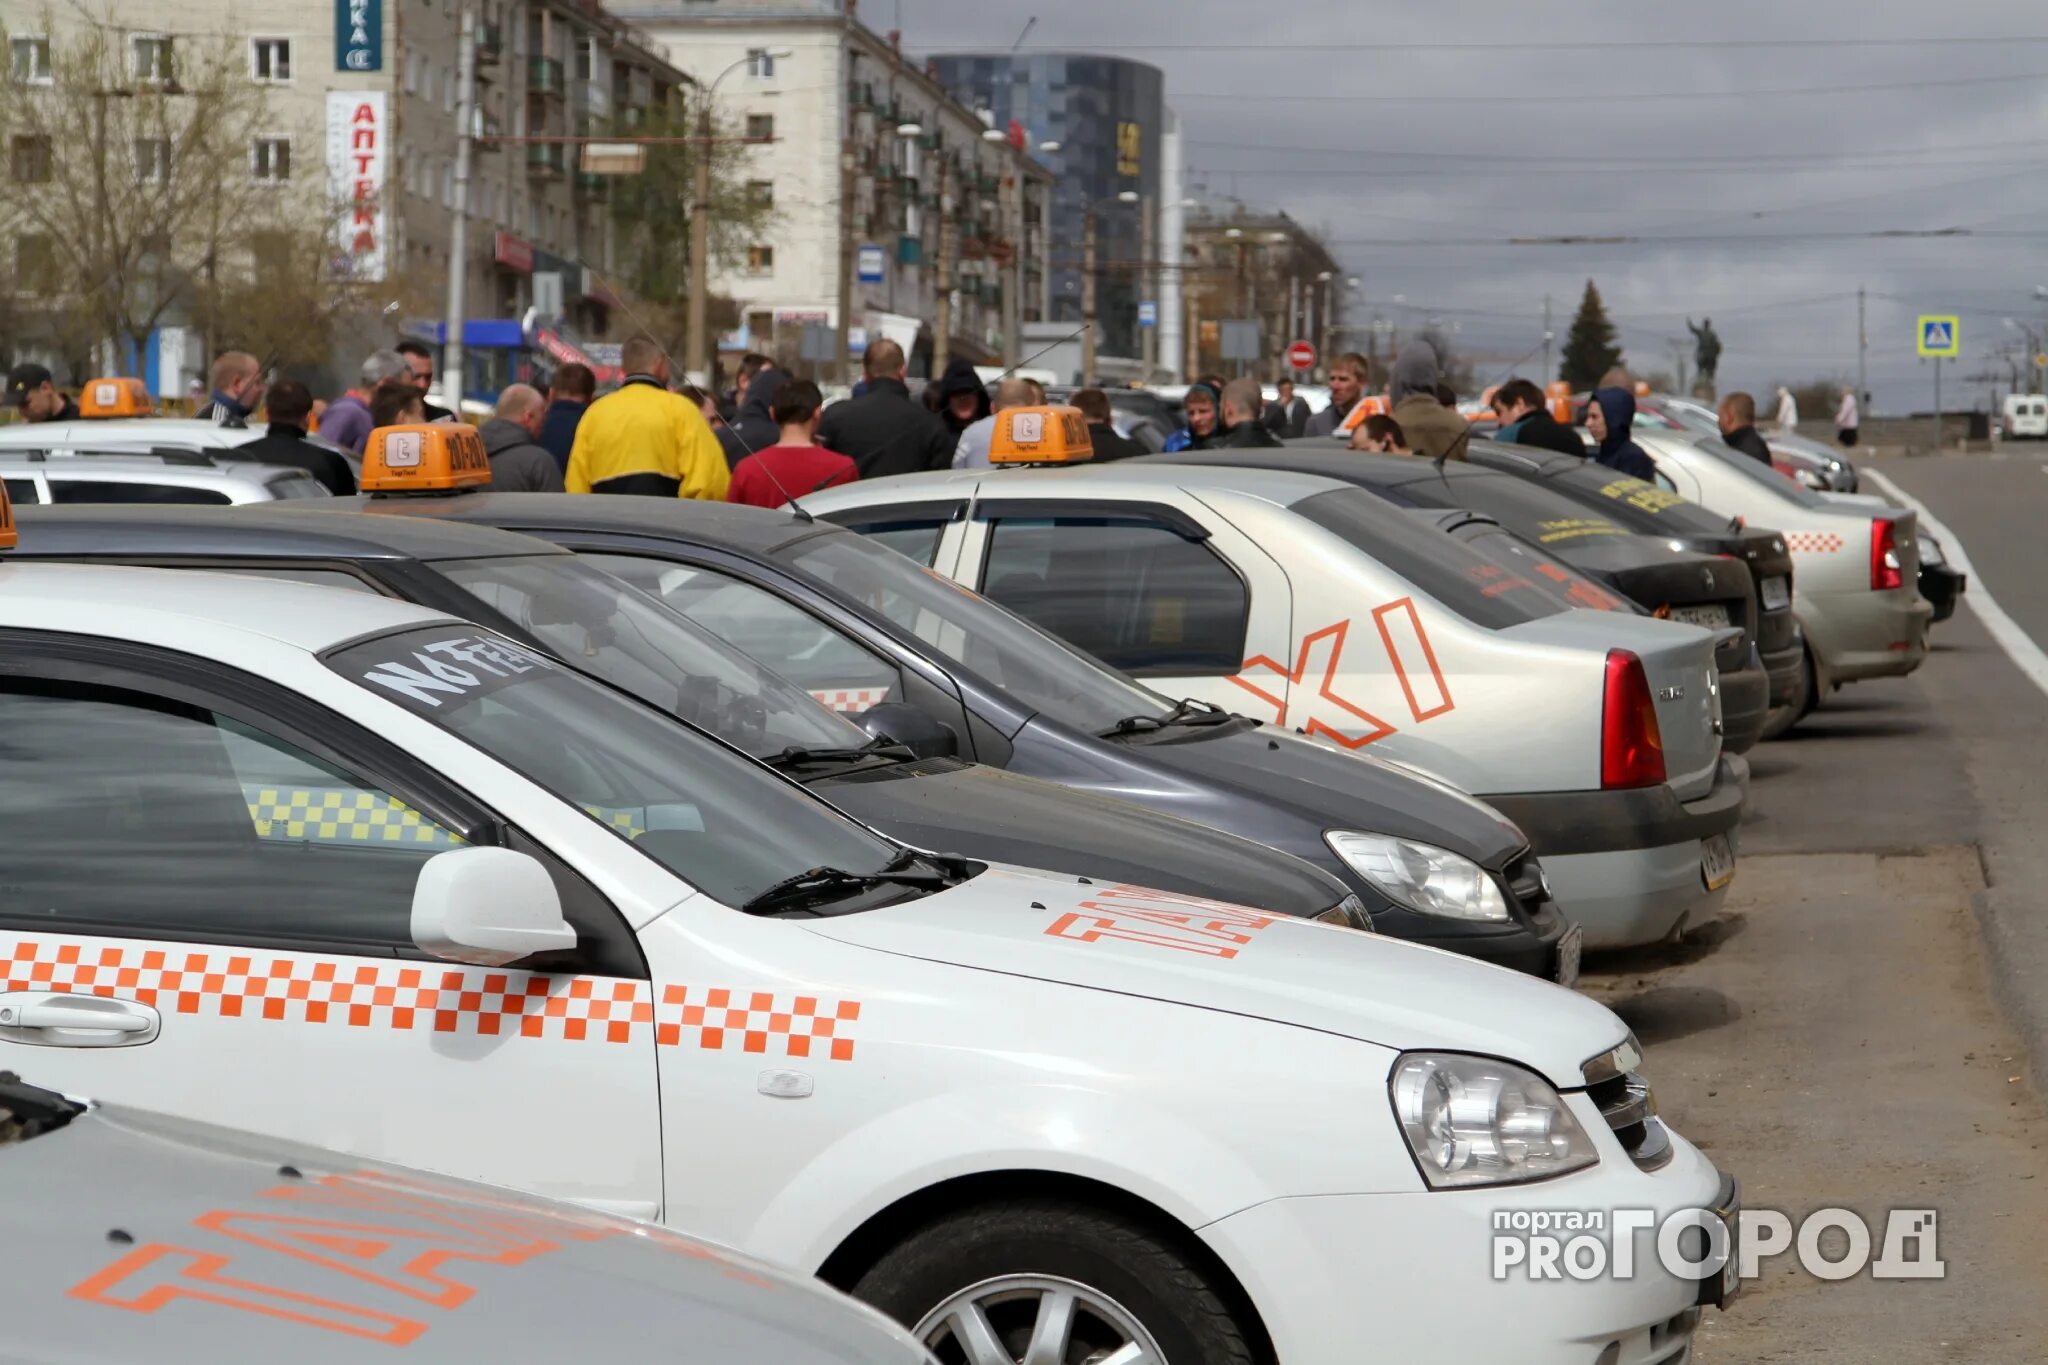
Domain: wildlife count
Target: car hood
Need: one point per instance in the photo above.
(1338, 790)
(122, 1210)
(1207, 955)
(985, 813)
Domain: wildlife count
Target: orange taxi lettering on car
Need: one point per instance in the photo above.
(1161, 919)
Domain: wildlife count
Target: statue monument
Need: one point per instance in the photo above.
(1706, 355)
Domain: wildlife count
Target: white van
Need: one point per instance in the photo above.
(2025, 417)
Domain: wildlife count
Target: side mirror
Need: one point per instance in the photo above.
(904, 724)
(487, 907)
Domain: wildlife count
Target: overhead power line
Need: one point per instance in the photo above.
(1761, 45)
(1688, 158)
(1608, 96)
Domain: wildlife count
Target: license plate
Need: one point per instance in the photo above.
(1717, 862)
(1714, 616)
(1718, 1291)
(1777, 593)
(1568, 956)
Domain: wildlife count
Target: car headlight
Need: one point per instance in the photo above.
(1422, 877)
(1349, 913)
(1930, 551)
(1813, 479)
(1475, 1121)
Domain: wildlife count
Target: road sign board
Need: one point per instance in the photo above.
(873, 262)
(1240, 339)
(1148, 314)
(1301, 356)
(1941, 336)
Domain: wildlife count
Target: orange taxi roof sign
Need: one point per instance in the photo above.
(1372, 405)
(1040, 435)
(9, 537)
(115, 397)
(429, 457)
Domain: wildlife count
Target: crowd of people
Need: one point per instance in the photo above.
(774, 439)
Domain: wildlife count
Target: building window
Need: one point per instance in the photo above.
(152, 161)
(35, 262)
(760, 63)
(28, 160)
(761, 125)
(29, 61)
(270, 60)
(760, 260)
(270, 160)
(760, 194)
(149, 56)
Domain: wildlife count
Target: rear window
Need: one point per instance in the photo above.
(1483, 591)
(1639, 506)
(119, 491)
(1550, 573)
(1756, 473)
(1529, 510)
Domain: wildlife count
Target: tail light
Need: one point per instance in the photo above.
(1885, 572)
(1631, 745)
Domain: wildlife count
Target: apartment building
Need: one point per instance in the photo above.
(1264, 268)
(361, 115)
(927, 215)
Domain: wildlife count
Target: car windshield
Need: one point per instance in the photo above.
(1641, 506)
(1760, 474)
(1040, 671)
(598, 624)
(1479, 589)
(719, 821)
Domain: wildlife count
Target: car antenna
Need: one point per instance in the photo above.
(803, 513)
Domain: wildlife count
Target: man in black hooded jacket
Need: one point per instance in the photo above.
(753, 427)
(963, 398)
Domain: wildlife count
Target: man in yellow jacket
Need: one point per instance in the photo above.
(644, 439)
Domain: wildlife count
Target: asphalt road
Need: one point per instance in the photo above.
(1866, 1025)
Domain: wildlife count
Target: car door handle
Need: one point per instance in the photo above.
(56, 1019)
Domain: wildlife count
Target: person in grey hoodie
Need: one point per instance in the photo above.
(1434, 431)
(519, 462)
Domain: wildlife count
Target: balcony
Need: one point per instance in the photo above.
(546, 160)
(490, 45)
(589, 186)
(546, 76)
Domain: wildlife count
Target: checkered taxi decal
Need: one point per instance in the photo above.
(850, 700)
(1812, 542)
(438, 999)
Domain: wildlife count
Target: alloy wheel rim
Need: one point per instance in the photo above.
(1036, 1320)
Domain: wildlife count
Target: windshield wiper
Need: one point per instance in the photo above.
(797, 756)
(821, 885)
(1188, 712)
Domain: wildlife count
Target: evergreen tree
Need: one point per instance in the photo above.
(1590, 349)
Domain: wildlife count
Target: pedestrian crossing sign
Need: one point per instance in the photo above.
(1940, 337)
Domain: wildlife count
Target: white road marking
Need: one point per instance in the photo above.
(2017, 644)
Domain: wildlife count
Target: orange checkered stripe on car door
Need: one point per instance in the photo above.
(436, 998)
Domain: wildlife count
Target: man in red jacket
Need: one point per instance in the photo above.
(796, 464)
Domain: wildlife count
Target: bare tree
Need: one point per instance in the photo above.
(131, 157)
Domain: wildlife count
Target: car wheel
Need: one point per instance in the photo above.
(1783, 718)
(1047, 1280)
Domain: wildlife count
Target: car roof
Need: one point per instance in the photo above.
(327, 528)
(1341, 463)
(1123, 478)
(176, 604)
(194, 470)
(127, 431)
(748, 530)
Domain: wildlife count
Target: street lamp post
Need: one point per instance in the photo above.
(700, 349)
(1088, 283)
(1323, 315)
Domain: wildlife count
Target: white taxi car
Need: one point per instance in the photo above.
(1307, 602)
(1855, 582)
(341, 870)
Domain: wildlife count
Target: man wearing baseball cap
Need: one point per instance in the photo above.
(30, 388)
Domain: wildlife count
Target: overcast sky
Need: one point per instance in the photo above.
(1415, 162)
